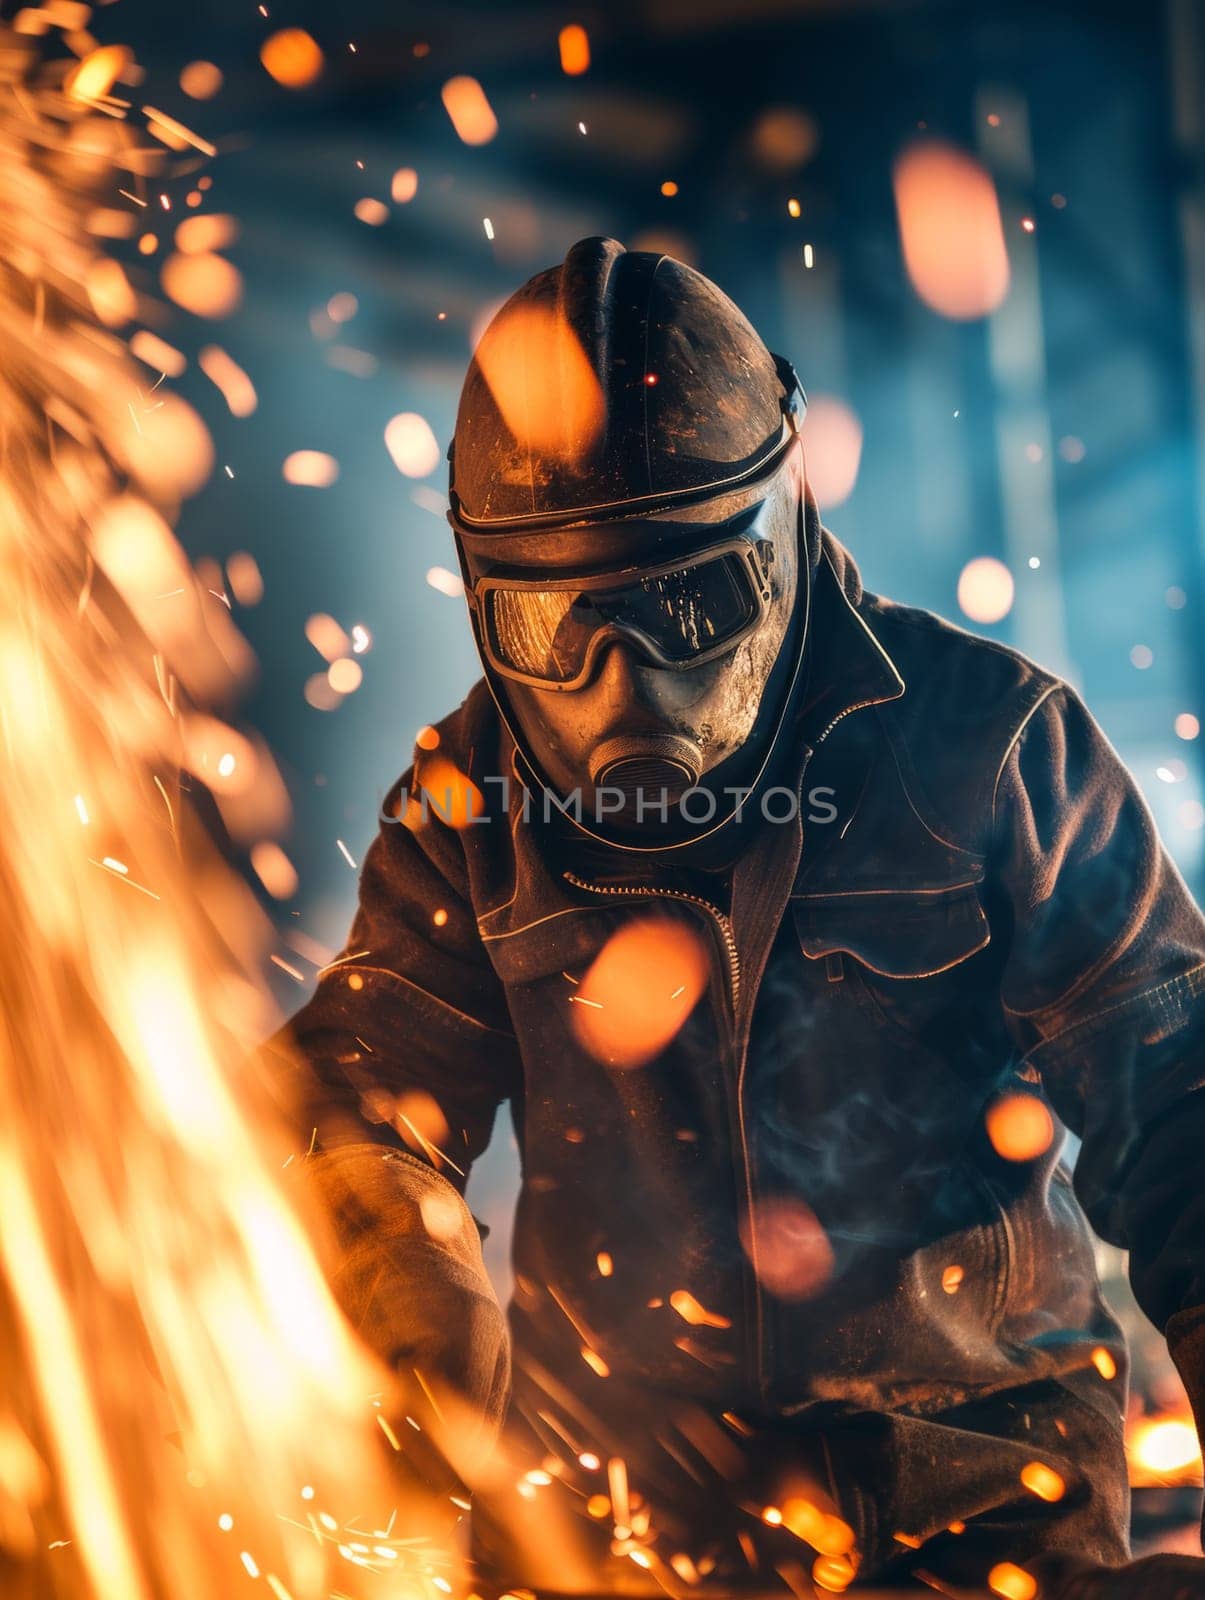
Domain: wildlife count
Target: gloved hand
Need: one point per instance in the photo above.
(1185, 1335)
(1151, 1578)
(412, 1281)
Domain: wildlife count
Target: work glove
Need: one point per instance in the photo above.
(1151, 1578)
(411, 1280)
(1185, 1334)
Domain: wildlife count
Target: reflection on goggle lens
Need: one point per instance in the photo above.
(546, 633)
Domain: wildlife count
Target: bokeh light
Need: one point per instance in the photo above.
(1020, 1127)
(832, 442)
(207, 285)
(787, 1247)
(412, 445)
(640, 989)
(313, 469)
(471, 113)
(986, 590)
(292, 57)
(950, 228)
(541, 380)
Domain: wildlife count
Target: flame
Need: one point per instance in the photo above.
(174, 1366)
(1163, 1450)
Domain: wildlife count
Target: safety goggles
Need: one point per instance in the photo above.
(681, 613)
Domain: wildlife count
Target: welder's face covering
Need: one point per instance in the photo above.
(635, 685)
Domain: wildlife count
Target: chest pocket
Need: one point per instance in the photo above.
(916, 959)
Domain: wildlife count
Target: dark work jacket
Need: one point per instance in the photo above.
(990, 910)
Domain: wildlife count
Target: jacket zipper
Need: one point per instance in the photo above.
(722, 922)
(858, 705)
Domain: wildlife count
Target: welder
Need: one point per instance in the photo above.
(789, 1305)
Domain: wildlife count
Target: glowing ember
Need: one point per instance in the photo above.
(689, 1309)
(471, 113)
(834, 1574)
(207, 285)
(986, 590)
(451, 797)
(274, 869)
(292, 57)
(953, 238)
(158, 354)
(198, 235)
(404, 185)
(96, 74)
(326, 636)
(1043, 1481)
(313, 469)
(639, 991)
(245, 579)
(411, 443)
(375, 213)
(113, 300)
(1020, 1127)
(1104, 1363)
(229, 378)
(951, 1279)
(201, 80)
(574, 44)
(1011, 1582)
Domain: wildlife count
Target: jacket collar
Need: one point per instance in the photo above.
(850, 668)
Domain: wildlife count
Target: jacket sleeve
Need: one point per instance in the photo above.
(402, 1058)
(407, 1039)
(1103, 991)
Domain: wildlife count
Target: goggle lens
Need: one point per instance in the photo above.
(546, 633)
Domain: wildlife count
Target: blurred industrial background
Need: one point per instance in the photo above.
(978, 230)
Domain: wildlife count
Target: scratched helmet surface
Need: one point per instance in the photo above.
(614, 385)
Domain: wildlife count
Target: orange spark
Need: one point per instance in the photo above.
(292, 57)
(574, 44)
(1020, 1127)
(471, 113)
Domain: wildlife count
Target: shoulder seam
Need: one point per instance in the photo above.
(1051, 688)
